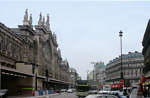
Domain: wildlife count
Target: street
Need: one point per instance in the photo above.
(62, 95)
(66, 95)
(92, 49)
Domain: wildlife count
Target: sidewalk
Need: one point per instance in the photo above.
(42, 96)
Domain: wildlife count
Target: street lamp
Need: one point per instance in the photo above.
(120, 35)
(36, 81)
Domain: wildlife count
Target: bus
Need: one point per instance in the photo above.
(82, 88)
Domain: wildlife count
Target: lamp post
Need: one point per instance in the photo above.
(36, 81)
(120, 35)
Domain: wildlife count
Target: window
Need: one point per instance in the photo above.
(136, 72)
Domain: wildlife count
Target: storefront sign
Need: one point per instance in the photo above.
(115, 85)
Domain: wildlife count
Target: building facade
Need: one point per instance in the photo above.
(132, 68)
(90, 78)
(98, 74)
(97, 68)
(73, 77)
(96, 77)
(101, 77)
(146, 53)
(30, 58)
(90, 75)
(146, 50)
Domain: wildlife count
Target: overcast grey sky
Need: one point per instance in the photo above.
(86, 31)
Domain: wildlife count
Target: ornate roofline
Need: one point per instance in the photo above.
(9, 30)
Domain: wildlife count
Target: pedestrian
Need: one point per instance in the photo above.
(128, 93)
(140, 92)
(148, 92)
(117, 95)
(145, 92)
(59, 92)
(125, 93)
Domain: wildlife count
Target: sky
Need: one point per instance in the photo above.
(87, 31)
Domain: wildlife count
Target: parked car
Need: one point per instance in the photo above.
(93, 92)
(69, 91)
(3, 93)
(63, 90)
(104, 92)
(58, 91)
(73, 89)
(101, 96)
(117, 93)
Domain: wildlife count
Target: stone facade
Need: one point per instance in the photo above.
(64, 71)
(98, 66)
(145, 80)
(146, 50)
(90, 78)
(73, 77)
(132, 67)
(30, 54)
(101, 77)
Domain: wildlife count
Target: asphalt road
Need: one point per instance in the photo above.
(62, 95)
(65, 95)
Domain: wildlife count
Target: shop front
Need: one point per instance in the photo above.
(146, 86)
(116, 86)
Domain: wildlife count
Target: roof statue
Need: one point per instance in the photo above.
(30, 20)
(66, 61)
(59, 52)
(40, 20)
(47, 23)
(43, 23)
(25, 20)
(54, 36)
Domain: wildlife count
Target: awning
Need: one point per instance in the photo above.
(41, 77)
(116, 85)
(52, 80)
(11, 71)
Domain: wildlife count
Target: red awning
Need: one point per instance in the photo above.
(115, 86)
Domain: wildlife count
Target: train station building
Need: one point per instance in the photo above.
(30, 58)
